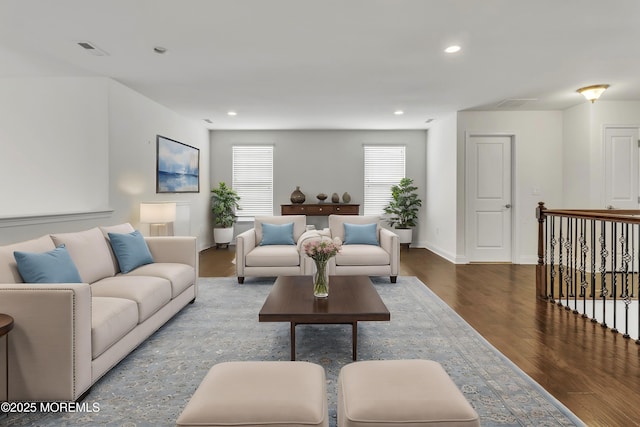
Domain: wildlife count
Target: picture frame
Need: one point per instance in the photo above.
(177, 166)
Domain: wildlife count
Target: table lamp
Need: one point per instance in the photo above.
(157, 215)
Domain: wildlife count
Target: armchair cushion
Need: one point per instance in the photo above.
(277, 234)
(273, 256)
(299, 225)
(361, 234)
(362, 255)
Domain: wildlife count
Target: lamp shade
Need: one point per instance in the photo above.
(157, 213)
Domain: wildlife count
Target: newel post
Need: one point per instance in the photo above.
(541, 268)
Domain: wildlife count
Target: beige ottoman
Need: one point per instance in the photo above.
(386, 393)
(259, 394)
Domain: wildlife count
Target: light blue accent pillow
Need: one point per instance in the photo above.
(130, 250)
(361, 234)
(277, 234)
(55, 266)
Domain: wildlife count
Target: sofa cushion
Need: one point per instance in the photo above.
(181, 276)
(277, 234)
(130, 250)
(273, 256)
(150, 293)
(9, 268)
(90, 253)
(54, 266)
(111, 319)
(120, 228)
(362, 255)
(360, 234)
(299, 224)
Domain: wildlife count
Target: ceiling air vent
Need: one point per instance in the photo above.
(92, 48)
(514, 103)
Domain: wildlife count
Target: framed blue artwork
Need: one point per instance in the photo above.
(177, 166)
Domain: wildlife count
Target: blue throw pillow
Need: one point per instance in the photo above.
(130, 250)
(361, 234)
(55, 266)
(277, 234)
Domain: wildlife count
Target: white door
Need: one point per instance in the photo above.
(488, 198)
(621, 167)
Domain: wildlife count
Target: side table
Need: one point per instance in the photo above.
(6, 324)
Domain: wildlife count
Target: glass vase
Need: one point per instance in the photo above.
(321, 280)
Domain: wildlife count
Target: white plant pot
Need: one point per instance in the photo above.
(404, 235)
(223, 236)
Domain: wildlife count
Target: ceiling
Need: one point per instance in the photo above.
(333, 64)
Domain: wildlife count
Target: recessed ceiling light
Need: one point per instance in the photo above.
(232, 113)
(398, 112)
(159, 49)
(208, 121)
(428, 120)
(453, 49)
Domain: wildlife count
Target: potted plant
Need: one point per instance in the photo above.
(403, 209)
(224, 204)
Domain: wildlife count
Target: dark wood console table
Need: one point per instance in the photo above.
(320, 209)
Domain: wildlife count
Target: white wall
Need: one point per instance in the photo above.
(86, 146)
(319, 161)
(134, 122)
(576, 147)
(583, 166)
(537, 168)
(53, 134)
(441, 167)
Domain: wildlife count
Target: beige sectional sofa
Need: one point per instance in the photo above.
(66, 336)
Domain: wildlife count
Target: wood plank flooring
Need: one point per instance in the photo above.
(591, 370)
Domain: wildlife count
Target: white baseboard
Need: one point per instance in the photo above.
(453, 258)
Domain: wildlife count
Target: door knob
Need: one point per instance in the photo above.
(508, 205)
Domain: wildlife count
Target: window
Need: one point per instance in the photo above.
(383, 167)
(253, 179)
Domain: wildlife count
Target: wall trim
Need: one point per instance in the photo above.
(26, 220)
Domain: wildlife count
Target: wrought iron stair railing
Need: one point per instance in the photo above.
(588, 262)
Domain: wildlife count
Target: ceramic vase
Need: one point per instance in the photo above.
(335, 198)
(297, 196)
(346, 197)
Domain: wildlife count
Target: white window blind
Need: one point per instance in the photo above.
(253, 179)
(384, 166)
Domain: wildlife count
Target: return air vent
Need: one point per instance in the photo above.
(92, 48)
(514, 103)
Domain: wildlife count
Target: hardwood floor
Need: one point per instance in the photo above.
(591, 370)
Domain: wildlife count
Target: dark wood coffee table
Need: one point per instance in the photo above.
(351, 299)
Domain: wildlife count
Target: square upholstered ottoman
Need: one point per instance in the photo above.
(393, 393)
(259, 394)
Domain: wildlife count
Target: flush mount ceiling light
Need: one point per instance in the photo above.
(592, 92)
(453, 49)
(398, 112)
(232, 113)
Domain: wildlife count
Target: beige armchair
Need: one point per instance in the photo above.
(263, 252)
(382, 259)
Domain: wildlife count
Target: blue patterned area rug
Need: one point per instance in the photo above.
(154, 383)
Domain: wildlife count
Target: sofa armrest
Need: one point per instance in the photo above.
(178, 249)
(389, 242)
(50, 343)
